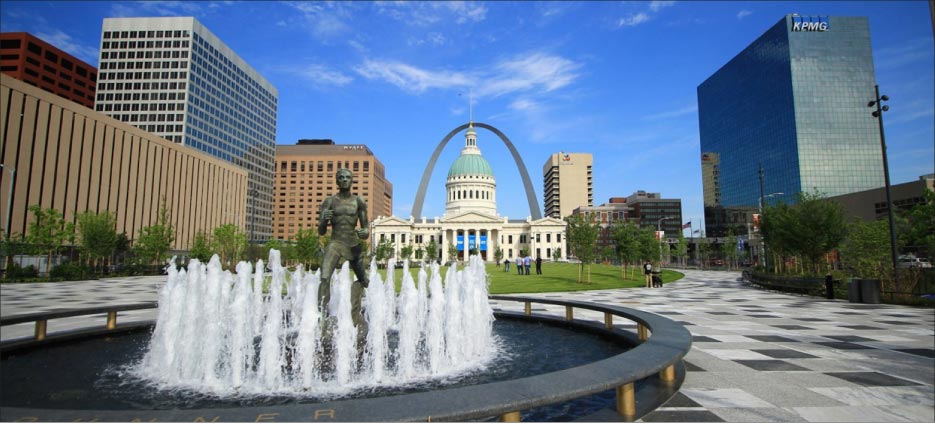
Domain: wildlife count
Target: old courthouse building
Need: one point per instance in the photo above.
(471, 222)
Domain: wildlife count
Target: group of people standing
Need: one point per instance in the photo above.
(523, 265)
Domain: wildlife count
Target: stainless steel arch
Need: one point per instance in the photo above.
(534, 210)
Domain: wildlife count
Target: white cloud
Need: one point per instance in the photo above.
(321, 75)
(657, 5)
(523, 104)
(432, 38)
(326, 21)
(165, 8)
(536, 70)
(64, 41)
(673, 113)
(902, 54)
(411, 78)
(743, 14)
(417, 13)
(633, 20)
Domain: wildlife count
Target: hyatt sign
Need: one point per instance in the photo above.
(810, 24)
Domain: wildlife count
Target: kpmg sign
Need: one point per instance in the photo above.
(810, 23)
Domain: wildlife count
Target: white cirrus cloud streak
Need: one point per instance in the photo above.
(411, 78)
(536, 70)
(323, 76)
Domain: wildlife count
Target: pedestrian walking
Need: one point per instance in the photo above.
(648, 272)
(528, 263)
(538, 265)
(506, 265)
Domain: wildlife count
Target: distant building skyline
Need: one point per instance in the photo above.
(173, 77)
(794, 102)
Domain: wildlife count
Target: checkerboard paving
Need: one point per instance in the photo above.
(757, 356)
(760, 356)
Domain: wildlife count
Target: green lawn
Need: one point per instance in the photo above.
(557, 277)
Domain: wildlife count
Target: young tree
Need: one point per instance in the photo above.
(201, 247)
(155, 240)
(230, 242)
(557, 254)
(97, 236)
(916, 227)
(384, 251)
(307, 248)
(820, 227)
(49, 231)
(581, 236)
(498, 255)
(431, 250)
(452, 252)
(626, 241)
(406, 252)
(729, 248)
(681, 249)
(121, 248)
(866, 253)
(704, 249)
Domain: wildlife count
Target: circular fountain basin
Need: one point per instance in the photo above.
(650, 371)
(92, 374)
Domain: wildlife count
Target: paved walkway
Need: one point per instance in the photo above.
(757, 356)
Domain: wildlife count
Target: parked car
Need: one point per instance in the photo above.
(913, 262)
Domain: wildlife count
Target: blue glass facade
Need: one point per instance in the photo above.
(795, 102)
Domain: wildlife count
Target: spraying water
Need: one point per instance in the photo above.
(227, 335)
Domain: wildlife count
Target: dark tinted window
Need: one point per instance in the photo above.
(10, 44)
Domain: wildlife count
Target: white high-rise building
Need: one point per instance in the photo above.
(174, 78)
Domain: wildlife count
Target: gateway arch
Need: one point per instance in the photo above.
(534, 210)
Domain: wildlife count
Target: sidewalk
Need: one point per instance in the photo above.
(757, 356)
(760, 356)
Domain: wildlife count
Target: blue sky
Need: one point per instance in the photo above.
(616, 79)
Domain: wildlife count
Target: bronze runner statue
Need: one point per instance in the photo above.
(343, 211)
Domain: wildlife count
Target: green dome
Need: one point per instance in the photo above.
(470, 130)
(470, 165)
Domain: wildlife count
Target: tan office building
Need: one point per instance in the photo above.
(567, 183)
(305, 177)
(59, 154)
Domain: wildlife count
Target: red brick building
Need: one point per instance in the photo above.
(29, 59)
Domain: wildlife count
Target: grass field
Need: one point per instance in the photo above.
(557, 277)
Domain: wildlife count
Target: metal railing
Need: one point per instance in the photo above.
(661, 344)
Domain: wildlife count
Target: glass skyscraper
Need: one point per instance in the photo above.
(794, 102)
(174, 78)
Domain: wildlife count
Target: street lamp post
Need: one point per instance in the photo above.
(878, 113)
(659, 228)
(762, 199)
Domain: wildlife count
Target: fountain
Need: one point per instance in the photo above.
(209, 319)
(256, 345)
